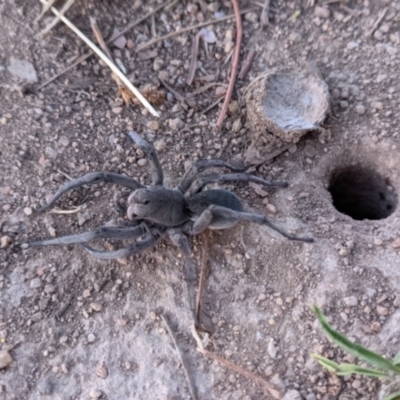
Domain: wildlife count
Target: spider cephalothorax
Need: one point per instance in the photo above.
(154, 211)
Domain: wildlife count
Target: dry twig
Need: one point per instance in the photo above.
(181, 359)
(63, 212)
(247, 64)
(275, 391)
(211, 106)
(86, 56)
(190, 28)
(203, 275)
(377, 22)
(204, 89)
(45, 9)
(53, 23)
(235, 64)
(193, 61)
(109, 63)
(265, 13)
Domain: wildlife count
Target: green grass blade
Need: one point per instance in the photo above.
(353, 348)
(330, 365)
(393, 396)
(396, 359)
(347, 369)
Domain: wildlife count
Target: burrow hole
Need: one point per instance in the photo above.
(361, 193)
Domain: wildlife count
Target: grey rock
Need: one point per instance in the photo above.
(271, 349)
(292, 394)
(35, 283)
(50, 152)
(23, 69)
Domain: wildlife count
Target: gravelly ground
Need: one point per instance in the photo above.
(78, 328)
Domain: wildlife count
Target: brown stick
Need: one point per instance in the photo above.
(235, 64)
(275, 391)
(87, 55)
(247, 64)
(188, 29)
(203, 273)
(181, 359)
(193, 61)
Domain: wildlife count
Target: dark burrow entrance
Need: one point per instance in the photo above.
(361, 193)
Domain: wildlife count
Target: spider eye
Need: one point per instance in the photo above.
(145, 202)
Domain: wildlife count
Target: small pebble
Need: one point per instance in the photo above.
(35, 283)
(237, 125)
(86, 293)
(96, 307)
(5, 359)
(271, 208)
(160, 145)
(378, 242)
(350, 301)
(376, 326)
(292, 394)
(360, 109)
(64, 141)
(271, 349)
(262, 296)
(28, 211)
(50, 152)
(122, 321)
(142, 162)
(396, 243)
(153, 125)
(352, 45)
(321, 12)
(176, 124)
(91, 338)
(396, 301)
(5, 241)
(95, 394)
(117, 110)
(102, 371)
(382, 311)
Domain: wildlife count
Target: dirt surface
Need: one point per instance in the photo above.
(79, 328)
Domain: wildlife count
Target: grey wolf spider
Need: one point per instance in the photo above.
(155, 211)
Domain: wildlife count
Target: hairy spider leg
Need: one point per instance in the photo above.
(151, 154)
(139, 246)
(200, 166)
(90, 179)
(104, 232)
(238, 177)
(205, 219)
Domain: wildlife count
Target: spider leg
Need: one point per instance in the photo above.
(104, 232)
(205, 220)
(200, 166)
(135, 248)
(180, 240)
(241, 177)
(151, 155)
(90, 179)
